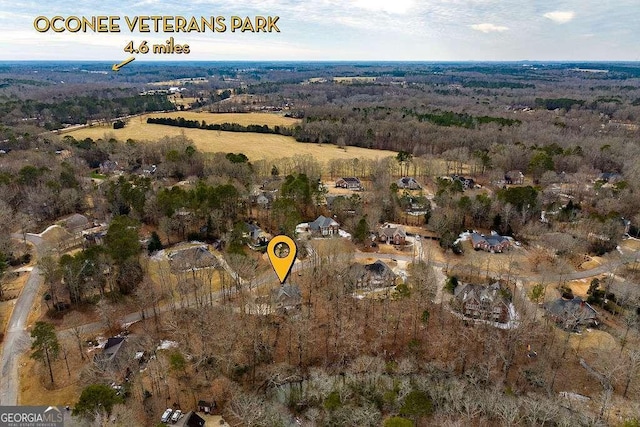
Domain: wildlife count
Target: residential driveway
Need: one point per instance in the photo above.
(16, 339)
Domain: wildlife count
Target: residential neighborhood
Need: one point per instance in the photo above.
(381, 245)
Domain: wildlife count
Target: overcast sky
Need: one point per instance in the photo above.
(415, 30)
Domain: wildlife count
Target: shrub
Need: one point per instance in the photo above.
(416, 404)
(566, 292)
(177, 361)
(332, 402)
(451, 284)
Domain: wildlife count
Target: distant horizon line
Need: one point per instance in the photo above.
(339, 61)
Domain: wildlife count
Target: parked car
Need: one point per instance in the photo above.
(166, 416)
(176, 416)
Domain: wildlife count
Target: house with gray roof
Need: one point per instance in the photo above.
(112, 354)
(572, 314)
(372, 276)
(263, 200)
(76, 223)
(256, 235)
(112, 347)
(192, 258)
(408, 183)
(286, 298)
(324, 226)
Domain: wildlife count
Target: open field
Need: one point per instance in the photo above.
(243, 119)
(254, 145)
(178, 100)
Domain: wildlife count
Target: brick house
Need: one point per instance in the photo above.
(393, 235)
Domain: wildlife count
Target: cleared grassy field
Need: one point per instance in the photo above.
(243, 119)
(254, 145)
(356, 79)
(181, 101)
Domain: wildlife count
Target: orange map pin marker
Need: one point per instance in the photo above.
(282, 254)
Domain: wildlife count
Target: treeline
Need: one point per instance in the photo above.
(10, 82)
(81, 109)
(440, 118)
(450, 118)
(226, 127)
(553, 103)
(397, 129)
(497, 84)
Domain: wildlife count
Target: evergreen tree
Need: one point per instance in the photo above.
(362, 231)
(94, 399)
(45, 344)
(154, 243)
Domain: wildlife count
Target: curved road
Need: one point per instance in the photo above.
(16, 339)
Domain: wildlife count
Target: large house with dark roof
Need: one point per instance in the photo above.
(112, 355)
(491, 243)
(112, 347)
(372, 276)
(482, 302)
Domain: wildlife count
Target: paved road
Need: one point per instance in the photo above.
(16, 339)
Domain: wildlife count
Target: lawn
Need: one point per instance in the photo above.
(96, 175)
(36, 388)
